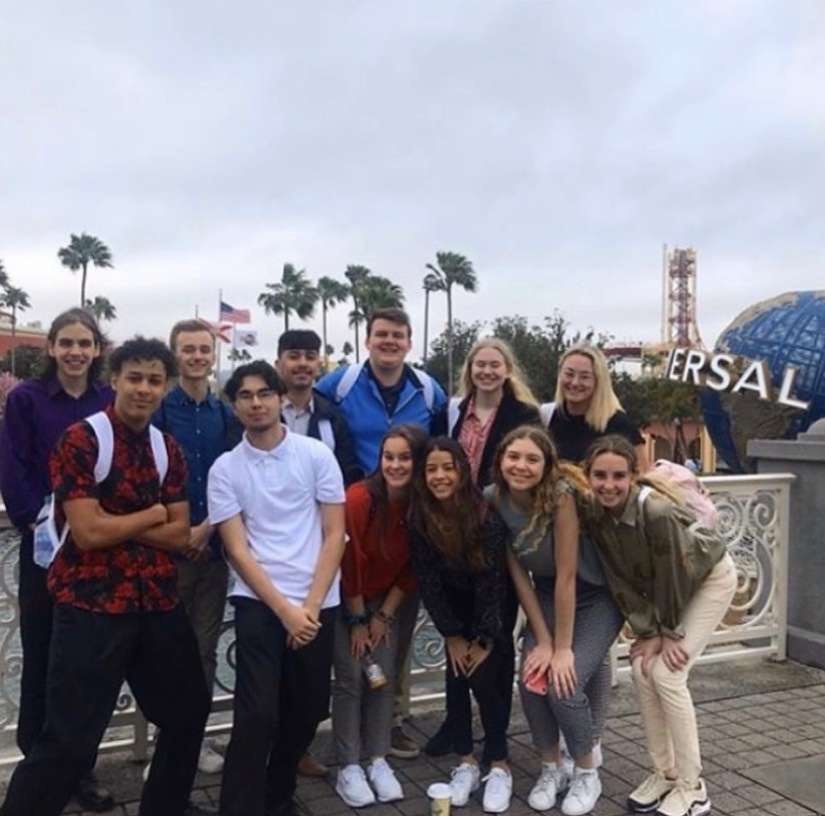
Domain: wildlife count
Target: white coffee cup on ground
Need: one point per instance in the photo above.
(439, 793)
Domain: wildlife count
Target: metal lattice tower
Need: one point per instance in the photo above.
(679, 323)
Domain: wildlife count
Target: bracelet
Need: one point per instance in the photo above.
(384, 617)
(352, 619)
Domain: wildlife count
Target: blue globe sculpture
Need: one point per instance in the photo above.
(788, 330)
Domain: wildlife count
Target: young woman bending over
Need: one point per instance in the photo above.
(376, 575)
(457, 544)
(673, 580)
(572, 617)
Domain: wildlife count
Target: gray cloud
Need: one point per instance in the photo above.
(556, 144)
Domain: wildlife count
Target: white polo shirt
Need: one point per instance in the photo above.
(278, 494)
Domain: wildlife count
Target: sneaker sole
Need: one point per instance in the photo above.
(697, 809)
(638, 807)
(351, 803)
(404, 753)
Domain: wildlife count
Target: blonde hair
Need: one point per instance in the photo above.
(515, 376)
(604, 403)
(558, 477)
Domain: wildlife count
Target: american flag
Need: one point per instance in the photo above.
(233, 315)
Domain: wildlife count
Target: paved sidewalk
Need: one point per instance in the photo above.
(753, 717)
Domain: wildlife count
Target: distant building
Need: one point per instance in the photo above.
(26, 334)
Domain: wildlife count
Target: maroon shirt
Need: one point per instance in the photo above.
(129, 577)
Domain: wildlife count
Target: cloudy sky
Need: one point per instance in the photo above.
(556, 144)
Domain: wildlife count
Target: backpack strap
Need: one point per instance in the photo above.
(546, 411)
(644, 492)
(102, 427)
(105, 434)
(159, 452)
(453, 412)
(346, 382)
(326, 433)
(428, 388)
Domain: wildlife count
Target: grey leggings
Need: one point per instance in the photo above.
(356, 708)
(579, 717)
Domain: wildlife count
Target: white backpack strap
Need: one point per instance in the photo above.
(546, 411)
(428, 388)
(159, 452)
(326, 434)
(102, 427)
(453, 414)
(644, 492)
(347, 381)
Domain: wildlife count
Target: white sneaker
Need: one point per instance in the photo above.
(598, 758)
(567, 764)
(583, 793)
(352, 787)
(464, 780)
(146, 770)
(498, 789)
(209, 760)
(647, 796)
(551, 782)
(384, 782)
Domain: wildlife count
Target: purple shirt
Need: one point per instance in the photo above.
(37, 413)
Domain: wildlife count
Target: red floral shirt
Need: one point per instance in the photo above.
(129, 577)
(473, 436)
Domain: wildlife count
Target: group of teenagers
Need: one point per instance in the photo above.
(329, 509)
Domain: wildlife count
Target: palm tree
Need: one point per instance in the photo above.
(102, 308)
(452, 269)
(356, 275)
(83, 250)
(16, 299)
(374, 292)
(294, 293)
(432, 283)
(330, 293)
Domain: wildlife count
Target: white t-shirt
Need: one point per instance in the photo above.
(278, 493)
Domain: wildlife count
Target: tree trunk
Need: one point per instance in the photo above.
(324, 332)
(426, 321)
(286, 320)
(449, 340)
(83, 285)
(13, 337)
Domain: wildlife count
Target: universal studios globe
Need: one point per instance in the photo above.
(788, 330)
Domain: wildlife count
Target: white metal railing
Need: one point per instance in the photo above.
(753, 520)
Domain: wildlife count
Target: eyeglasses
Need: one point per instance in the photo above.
(263, 395)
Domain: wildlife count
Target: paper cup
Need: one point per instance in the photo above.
(439, 793)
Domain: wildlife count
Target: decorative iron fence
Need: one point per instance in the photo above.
(753, 520)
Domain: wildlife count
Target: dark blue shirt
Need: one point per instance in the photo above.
(204, 430)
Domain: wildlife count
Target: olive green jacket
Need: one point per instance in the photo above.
(655, 556)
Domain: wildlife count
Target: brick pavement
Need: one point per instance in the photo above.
(739, 735)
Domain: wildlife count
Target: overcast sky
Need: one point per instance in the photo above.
(558, 145)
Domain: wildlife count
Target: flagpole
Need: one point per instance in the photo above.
(218, 340)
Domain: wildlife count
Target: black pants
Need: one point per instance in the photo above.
(458, 704)
(35, 635)
(91, 655)
(280, 696)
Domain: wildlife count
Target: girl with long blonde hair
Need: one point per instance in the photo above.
(572, 617)
(586, 406)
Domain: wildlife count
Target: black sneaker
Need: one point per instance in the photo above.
(439, 744)
(91, 795)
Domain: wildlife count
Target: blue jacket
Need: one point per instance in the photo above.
(366, 414)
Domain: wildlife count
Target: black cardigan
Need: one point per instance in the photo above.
(511, 413)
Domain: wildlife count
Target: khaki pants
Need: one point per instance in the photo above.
(667, 707)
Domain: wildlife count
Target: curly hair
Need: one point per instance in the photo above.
(454, 528)
(557, 478)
